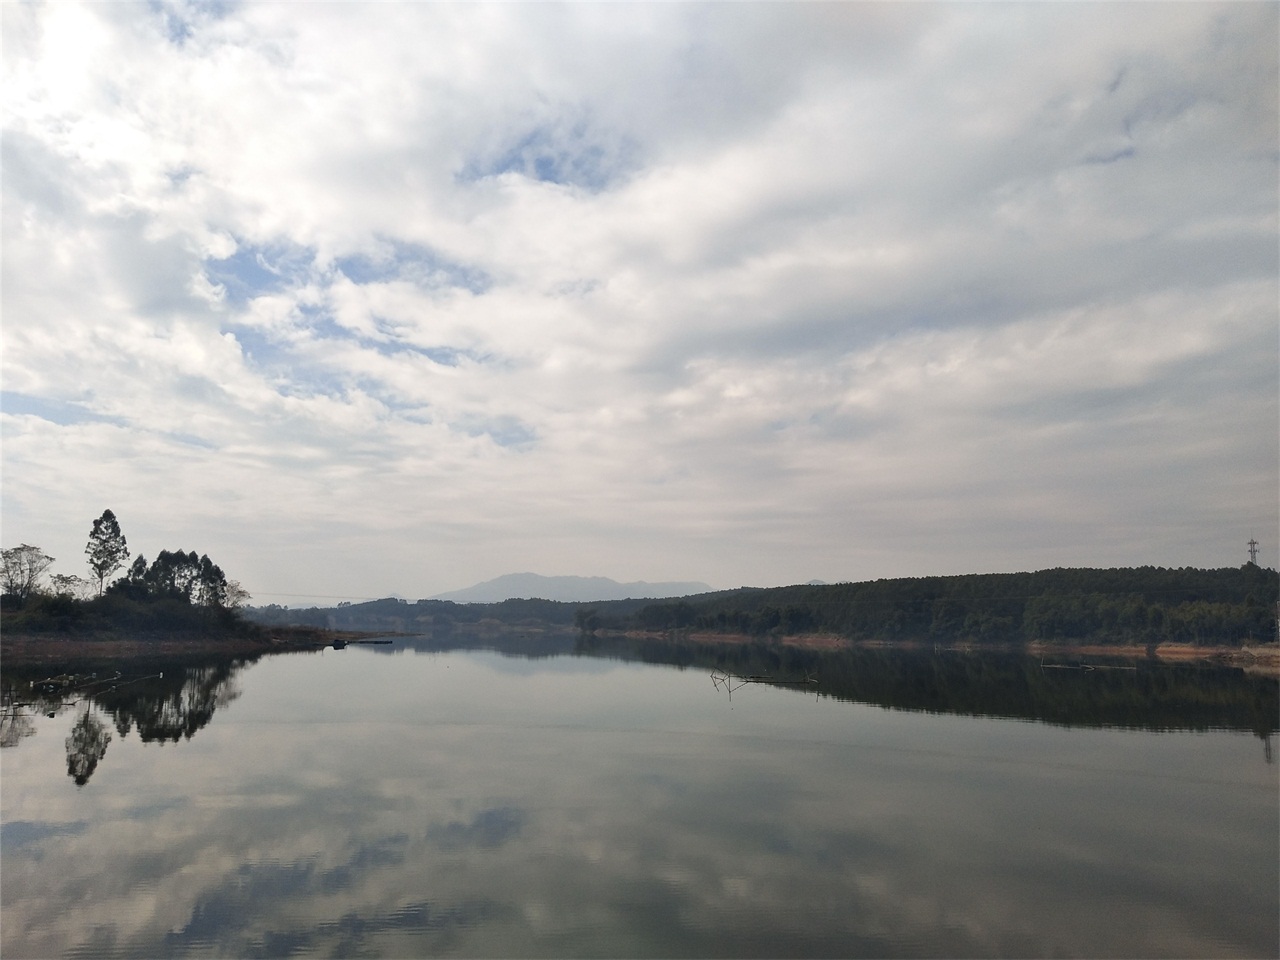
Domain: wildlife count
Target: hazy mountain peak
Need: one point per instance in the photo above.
(528, 585)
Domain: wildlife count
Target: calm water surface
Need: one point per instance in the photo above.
(392, 802)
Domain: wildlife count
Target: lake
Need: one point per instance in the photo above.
(550, 796)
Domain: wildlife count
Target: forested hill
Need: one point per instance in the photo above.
(1139, 605)
(1133, 605)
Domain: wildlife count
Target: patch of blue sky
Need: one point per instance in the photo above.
(504, 430)
(448, 356)
(415, 263)
(392, 344)
(284, 365)
(64, 413)
(398, 407)
(320, 325)
(389, 344)
(278, 353)
(180, 18)
(259, 348)
(552, 154)
(256, 270)
(310, 383)
(392, 347)
(293, 372)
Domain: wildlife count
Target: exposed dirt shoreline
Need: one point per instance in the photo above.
(30, 649)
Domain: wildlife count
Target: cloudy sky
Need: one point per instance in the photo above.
(371, 299)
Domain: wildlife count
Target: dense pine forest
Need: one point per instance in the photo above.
(1133, 606)
(1142, 605)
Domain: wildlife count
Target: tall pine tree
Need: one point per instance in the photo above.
(107, 548)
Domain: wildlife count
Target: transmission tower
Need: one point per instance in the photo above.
(1253, 551)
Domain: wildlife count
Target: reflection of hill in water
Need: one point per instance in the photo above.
(531, 644)
(1150, 696)
(173, 700)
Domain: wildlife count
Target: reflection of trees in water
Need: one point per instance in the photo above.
(172, 707)
(14, 726)
(15, 719)
(20, 701)
(86, 746)
(1145, 695)
(163, 702)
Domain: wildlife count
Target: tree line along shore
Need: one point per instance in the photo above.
(1130, 607)
(183, 596)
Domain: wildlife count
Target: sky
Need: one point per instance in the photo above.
(388, 299)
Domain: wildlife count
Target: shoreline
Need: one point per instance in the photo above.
(1263, 659)
(21, 650)
(33, 649)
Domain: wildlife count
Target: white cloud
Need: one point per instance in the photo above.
(399, 299)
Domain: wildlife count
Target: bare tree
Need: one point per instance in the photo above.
(78, 588)
(23, 567)
(237, 596)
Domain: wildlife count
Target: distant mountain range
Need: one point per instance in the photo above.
(568, 589)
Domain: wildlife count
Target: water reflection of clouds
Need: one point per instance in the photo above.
(672, 872)
(537, 833)
(488, 828)
(22, 833)
(226, 914)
